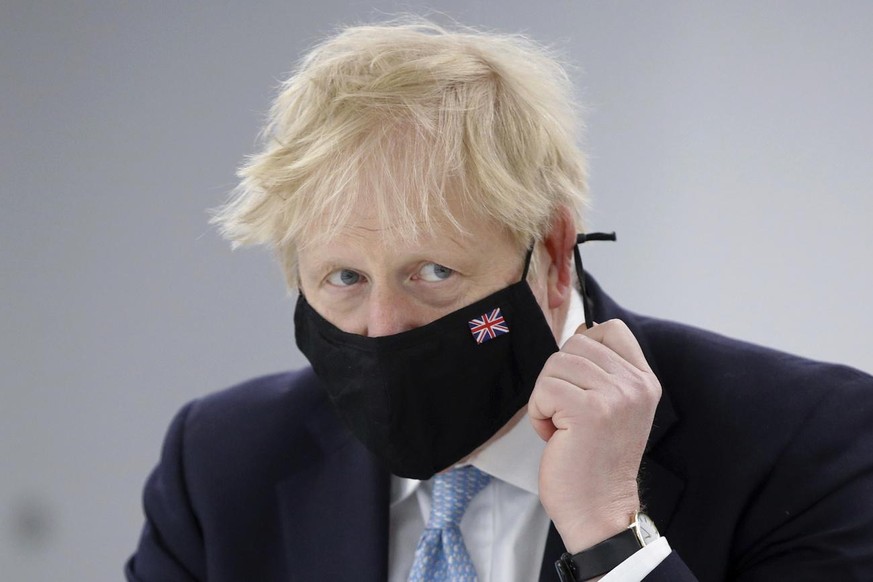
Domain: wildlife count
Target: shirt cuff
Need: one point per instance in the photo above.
(640, 564)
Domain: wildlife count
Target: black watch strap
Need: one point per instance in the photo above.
(597, 560)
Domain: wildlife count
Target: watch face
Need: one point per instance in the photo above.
(646, 529)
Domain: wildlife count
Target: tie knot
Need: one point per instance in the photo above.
(452, 493)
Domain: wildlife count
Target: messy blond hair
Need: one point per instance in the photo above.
(401, 116)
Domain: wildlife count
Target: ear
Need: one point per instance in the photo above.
(558, 243)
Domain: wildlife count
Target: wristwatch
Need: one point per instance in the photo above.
(603, 557)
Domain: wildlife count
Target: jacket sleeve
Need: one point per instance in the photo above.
(171, 545)
(812, 516)
(671, 569)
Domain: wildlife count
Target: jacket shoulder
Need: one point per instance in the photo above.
(271, 422)
(214, 501)
(703, 369)
(258, 408)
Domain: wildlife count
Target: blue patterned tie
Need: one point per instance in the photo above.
(441, 554)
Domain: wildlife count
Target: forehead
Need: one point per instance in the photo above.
(451, 229)
(483, 254)
(398, 208)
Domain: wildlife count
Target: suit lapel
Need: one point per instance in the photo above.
(554, 549)
(330, 527)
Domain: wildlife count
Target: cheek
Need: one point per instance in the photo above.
(344, 313)
(350, 320)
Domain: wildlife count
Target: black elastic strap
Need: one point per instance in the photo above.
(580, 272)
(598, 560)
(527, 258)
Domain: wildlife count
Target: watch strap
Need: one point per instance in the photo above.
(599, 559)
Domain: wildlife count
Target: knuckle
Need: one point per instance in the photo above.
(568, 361)
(575, 343)
(656, 391)
(617, 329)
(615, 325)
(541, 385)
(558, 359)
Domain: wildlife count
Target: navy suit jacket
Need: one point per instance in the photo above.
(759, 467)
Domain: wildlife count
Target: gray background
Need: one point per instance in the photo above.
(730, 148)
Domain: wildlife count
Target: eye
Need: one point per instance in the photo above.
(343, 278)
(433, 272)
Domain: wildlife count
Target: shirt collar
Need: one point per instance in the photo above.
(514, 457)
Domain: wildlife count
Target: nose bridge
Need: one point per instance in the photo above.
(389, 311)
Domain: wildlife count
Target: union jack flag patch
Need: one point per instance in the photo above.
(488, 326)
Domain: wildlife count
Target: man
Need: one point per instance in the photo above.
(422, 188)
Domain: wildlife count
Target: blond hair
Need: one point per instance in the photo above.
(402, 116)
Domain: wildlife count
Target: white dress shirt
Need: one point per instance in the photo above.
(505, 526)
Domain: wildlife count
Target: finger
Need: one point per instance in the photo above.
(583, 328)
(586, 367)
(552, 396)
(616, 335)
(580, 345)
(544, 427)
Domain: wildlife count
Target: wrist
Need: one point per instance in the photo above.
(587, 532)
(603, 557)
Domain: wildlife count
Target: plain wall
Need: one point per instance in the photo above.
(730, 143)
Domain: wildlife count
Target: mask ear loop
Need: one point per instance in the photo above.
(580, 272)
(527, 258)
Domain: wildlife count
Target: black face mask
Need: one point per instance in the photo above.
(423, 399)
